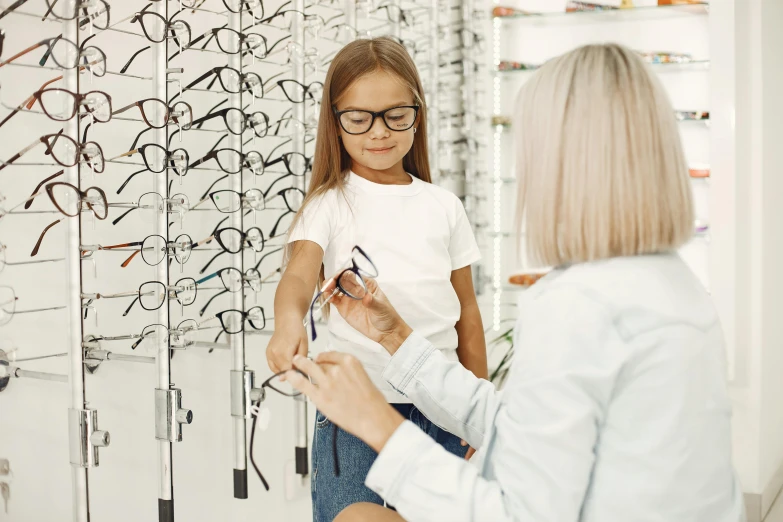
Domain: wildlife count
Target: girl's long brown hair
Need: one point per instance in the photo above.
(331, 162)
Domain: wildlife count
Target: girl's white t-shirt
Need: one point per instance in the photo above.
(416, 235)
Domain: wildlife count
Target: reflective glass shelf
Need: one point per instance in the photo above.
(634, 13)
(662, 67)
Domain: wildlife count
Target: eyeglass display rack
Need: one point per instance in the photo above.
(108, 346)
(525, 33)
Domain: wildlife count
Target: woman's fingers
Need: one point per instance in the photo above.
(331, 358)
(310, 368)
(301, 383)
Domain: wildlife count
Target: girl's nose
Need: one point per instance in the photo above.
(378, 129)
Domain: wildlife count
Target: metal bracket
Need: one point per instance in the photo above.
(170, 415)
(85, 437)
(5, 370)
(243, 393)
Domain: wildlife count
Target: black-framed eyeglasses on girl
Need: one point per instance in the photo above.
(397, 119)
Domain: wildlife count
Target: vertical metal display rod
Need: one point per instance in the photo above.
(433, 102)
(165, 474)
(81, 507)
(468, 105)
(349, 7)
(237, 342)
(396, 27)
(298, 110)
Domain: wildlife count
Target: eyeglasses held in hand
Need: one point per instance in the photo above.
(350, 282)
(66, 152)
(8, 306)
(397, 119)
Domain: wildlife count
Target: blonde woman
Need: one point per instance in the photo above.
(616, 408)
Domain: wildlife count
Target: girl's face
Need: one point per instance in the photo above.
(380, 148)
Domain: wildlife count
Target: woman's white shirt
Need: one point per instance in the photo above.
(615, 410)
(416, 235)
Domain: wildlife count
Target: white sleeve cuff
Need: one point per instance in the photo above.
(401, 452)
(407, 360)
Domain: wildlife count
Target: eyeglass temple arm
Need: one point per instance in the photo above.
(272, 233)
(204, 308)
(127, 107)
(22, 153)
(40, 238)
(265, 256)
(125, 154)
(22, 53)
(35, 192)
(209, 116)
(207, 278)
(130, 61)
(131, 306)
(11, 7)
(138, 136)
(207, 192)
(210, 261)
(121, 189)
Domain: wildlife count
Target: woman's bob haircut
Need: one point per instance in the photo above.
(600, 166)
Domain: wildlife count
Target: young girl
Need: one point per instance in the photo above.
(371, 187)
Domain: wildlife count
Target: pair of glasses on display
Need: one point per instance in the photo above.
(397, 119)
(231, 80)
(69, 201)
(8, 309)
(92, 12)
(154, 249)
(152, 201)
(62, 105)
(67, 55)
(350, 282)
(157, 159)
(233, 241)
(152, 294)
(233, 281)
(65, 151)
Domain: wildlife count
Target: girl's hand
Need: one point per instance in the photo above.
(287, 341)
(373, 316)
(343, 392)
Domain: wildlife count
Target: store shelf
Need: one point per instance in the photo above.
(607, 15)
(660, 67)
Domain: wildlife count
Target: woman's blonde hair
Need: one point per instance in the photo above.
(331, 162)
(599, 161)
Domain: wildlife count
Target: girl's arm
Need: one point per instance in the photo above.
(472, 347)
(292, 303)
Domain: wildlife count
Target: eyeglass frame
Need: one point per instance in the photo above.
(381, 114)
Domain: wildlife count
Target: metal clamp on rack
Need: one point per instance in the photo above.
(170, 415)
(85, 438)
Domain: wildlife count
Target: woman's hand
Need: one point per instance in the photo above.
(343, 392)
(373, 316)
(287, 341)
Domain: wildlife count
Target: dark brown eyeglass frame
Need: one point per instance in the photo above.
(169, 110)
(82, 195)
(78, 99)
(45, 140)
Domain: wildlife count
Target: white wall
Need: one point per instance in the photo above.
(748, 246)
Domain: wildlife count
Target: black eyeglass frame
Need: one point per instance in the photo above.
(381, 114)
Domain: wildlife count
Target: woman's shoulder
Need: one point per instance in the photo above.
(635, 293)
